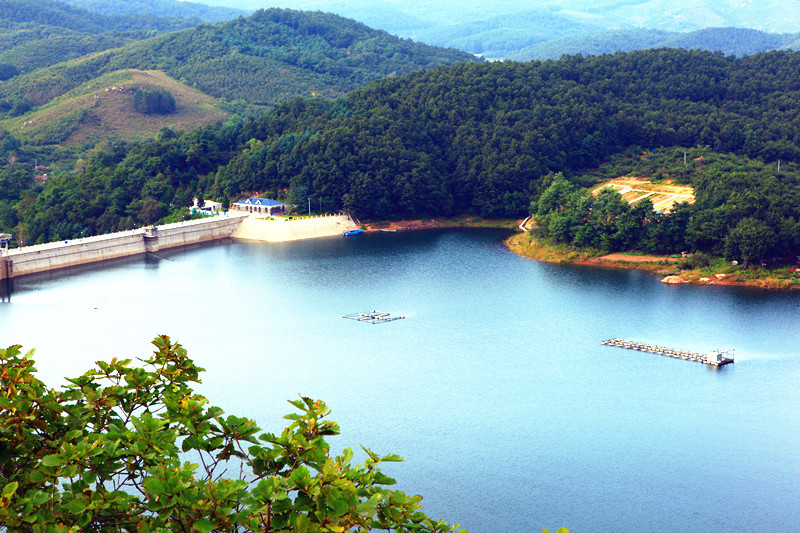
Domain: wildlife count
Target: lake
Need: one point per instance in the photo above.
(495, 388)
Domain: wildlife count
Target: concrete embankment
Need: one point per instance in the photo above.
(282, 229)
(62, 254)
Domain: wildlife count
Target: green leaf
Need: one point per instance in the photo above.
(154, 485)
(203, 525)
(337, 502)
(10, 489)
(38, 497)
(76, 506)
(53, 460)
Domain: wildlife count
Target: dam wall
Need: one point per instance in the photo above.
(190, 232)
(54, 255)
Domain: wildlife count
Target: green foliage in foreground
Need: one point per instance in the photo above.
(110, 452)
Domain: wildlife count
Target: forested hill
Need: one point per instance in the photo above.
(38, 33)
(161, 8)
(470, 138)
(479, 138)
(60, 15)
(264, 58)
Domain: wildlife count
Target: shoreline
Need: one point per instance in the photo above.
(666, 267)
(371, 226)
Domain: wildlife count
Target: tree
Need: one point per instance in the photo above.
(110, 452)
(154, 101)
(7, 71)
(750, 240)
(150, 211)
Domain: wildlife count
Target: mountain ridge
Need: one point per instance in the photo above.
(299, 53)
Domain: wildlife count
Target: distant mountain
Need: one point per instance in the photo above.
(489, 27)
(500, 36)
(265, 58)
(730, 41)
(774, 16)
(161, 8)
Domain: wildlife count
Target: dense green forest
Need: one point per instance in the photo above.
(474, 138)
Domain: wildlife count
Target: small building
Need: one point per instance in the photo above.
(4, 239)
(208, 207)
(717, 357)
(263, 206)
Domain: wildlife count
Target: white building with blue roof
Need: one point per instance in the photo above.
(262, 206)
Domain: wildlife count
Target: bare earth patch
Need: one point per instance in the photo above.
(663, 195)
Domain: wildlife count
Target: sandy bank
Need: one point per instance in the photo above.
(282, 229)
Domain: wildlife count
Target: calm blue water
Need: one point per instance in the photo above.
(495, 388)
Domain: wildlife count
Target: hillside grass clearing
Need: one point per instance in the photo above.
(103, 109)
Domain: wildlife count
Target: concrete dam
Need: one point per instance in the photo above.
(55, 255)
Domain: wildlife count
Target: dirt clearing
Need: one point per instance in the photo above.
(663, 195)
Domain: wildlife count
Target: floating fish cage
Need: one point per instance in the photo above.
(715, 358)
(373, 317)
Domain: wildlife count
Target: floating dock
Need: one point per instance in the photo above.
(373, 317)
(715, 358)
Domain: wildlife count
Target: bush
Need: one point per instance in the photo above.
(108, 453)
(696, 261)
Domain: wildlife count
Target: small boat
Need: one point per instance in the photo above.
(389, 230)
(352, 231)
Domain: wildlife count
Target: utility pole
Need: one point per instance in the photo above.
(684, 158)
(779, 165)
(309, 206)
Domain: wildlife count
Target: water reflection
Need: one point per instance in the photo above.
(6, 286)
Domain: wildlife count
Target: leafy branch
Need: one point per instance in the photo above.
(109, 453)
